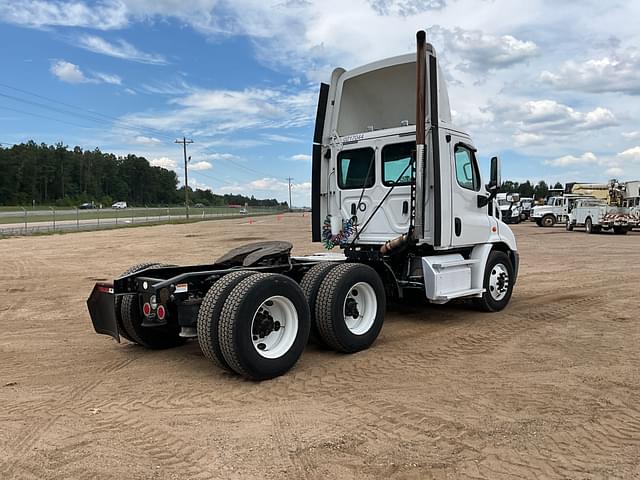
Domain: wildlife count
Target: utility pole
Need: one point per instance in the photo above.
(289, 180)
(184, 143)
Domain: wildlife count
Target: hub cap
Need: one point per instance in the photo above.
(498, 282)
(360, 308)
(274, 327)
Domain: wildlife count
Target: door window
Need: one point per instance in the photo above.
(356, 168)
(395, 163)
(466, 170)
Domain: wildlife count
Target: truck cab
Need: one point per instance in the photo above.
(395, 180)
(510, 207)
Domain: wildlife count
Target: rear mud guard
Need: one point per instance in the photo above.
(101, 305)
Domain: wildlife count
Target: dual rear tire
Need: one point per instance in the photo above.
(257, 324)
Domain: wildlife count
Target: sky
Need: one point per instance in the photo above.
(553, 88)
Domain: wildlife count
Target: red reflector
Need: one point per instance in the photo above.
(146, 309)
(161, 312)
(102, 289)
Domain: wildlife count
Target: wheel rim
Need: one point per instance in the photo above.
(499, 282)
(360, 308)
(274, 327)
(547, 222)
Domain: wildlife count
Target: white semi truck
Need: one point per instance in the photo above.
(394, 184)
(510, 207)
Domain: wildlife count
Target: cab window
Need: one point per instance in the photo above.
(395, 163)
(466, 170)
(356, 168)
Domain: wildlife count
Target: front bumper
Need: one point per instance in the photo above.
(102, 310)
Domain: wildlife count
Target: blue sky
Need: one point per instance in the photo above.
(552, 91)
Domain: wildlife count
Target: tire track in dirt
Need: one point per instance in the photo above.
(282, 424)
(42, 424)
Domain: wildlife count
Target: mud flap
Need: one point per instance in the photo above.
(101, 305)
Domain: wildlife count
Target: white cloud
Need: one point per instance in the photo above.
(225, 111)
(200, 166)
(614, 171)
(301, 157)
(525, 138)
(631, 135)
(617, 73)
(68, 72)
(481, 51)
(118, 49)
(147, 140)
(535, 118)
(107, 78)
(631, 154)
(164, 162)
(405, 8)
(282, 138)
(42, 13)
(71, 73)
(587, 158)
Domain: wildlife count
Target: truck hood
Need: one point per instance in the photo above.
(542, 209)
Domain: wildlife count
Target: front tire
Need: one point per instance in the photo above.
(498, 283)
(548, 221)
(350, 307)
(569, 226)
(264, 326)
(620, 230)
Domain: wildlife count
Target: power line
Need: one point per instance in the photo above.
(94, 113)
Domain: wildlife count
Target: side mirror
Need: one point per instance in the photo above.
(495, 180)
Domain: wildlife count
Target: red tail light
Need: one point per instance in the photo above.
(146, 309)
(161, 312)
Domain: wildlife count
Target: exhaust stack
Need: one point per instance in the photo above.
(421, 88)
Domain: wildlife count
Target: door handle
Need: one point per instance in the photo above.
(458, 226)
(405, 207)
(353, 209)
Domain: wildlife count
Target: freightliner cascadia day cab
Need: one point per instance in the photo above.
(395, 186)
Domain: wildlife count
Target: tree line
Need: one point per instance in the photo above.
(527, 189)
(56, 175)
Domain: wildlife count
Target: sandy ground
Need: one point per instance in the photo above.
(548, 388)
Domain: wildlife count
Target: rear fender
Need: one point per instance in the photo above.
(101, 305)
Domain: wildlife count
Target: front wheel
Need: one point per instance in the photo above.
(548, 221)
(498, 283)
(264, 326)
(569, 226)
(350, 307)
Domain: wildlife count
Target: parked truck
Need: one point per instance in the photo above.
(555, 210)
(394, 185)
(510, 207)
(596, 215)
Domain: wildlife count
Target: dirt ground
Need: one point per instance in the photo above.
(548, 388)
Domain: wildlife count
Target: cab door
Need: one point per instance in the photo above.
(470, 222)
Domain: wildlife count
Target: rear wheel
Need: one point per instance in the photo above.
(264, 326)
(548, 221)
(588, 226)
(498, 283)
(118, 302)
(209, 316)
(310, 285)
(350, 307)
(157, 337)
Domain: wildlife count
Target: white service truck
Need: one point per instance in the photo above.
(596, 215)
(555, 210)
(395, 185)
